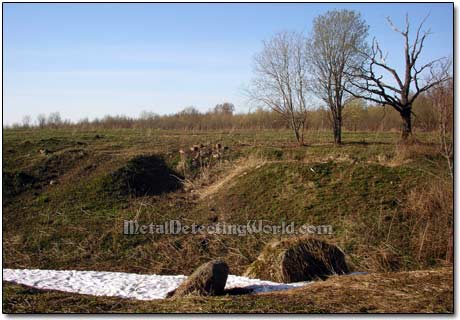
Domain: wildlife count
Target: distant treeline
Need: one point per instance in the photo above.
(357, 117)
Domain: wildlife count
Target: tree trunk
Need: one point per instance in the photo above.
(337, 130)
(298, 131)
(302, 142)
(297, 134)
(406, 115)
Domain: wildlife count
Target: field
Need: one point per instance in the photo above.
(390, 206)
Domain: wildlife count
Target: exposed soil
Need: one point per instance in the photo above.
(142, 176)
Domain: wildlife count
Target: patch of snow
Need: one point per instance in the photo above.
(124, 285)
(259, 286)
(357, 273)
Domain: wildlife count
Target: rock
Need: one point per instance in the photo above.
(208, 280)
(298, 259)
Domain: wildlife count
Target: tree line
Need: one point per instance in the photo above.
(357, 116)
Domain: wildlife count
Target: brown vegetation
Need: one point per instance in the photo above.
(357, 117)
(429, 213)
(425, 291)
(298, 259)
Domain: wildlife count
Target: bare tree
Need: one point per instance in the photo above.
(54, 119)
(189, 111)
(334, 49)
(280, 81)
(402, 90)
(225, 108)
(148, 115)
(443, 100)
(41, 120)
(26, 120)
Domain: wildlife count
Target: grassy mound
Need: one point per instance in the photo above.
(45, 169)
(298, 191)
(59, 163)
(364, 203)
(298, 259)
(142, 176)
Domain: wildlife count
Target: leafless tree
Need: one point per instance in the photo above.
(148, 115)
(26, 120)
(402, 90)
(54, 119)
(225, 108)
(334, 49)
(41, 120)
(280, 81)
(189, 111)
(443, 100)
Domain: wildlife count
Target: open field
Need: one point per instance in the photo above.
(390, 207)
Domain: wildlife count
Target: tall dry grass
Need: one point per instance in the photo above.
(430, 219)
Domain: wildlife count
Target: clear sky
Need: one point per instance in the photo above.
(89, 60)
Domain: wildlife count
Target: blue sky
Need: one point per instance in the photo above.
(89, 60)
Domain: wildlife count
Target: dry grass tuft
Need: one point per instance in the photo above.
(430, 217)
(383, 259)
(405, 153)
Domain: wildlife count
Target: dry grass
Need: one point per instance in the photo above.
(418, 236)
(379, 220)
(405, 153)
(237, 169)
(294, 259)
(381, 258)
(426, 291)
(402, 292)
(430, 217)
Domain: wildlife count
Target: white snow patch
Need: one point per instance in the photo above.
(124, 285)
